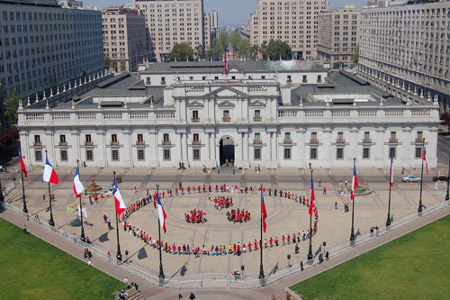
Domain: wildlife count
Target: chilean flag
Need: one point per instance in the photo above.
(392, 171)
(49, 173)
(120, 205)
(354, 184)
(313, 198)
(425, 157)
(225, 59)
(233, 53)
(161, 214)
(22, 164)
(78, 187)
(264, 212)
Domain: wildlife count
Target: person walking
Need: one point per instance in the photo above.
(25, 229)
(192, 296)
(324, 190)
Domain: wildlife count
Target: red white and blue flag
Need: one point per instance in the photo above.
(161, 214)
(118, 200)
(233, 53)
(225, 59)
(313, 198)
(425, 157)
(78, 187)
(354, 184)
(49, 173)
(22, 164)
(263, 212)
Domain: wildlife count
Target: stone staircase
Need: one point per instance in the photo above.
(133, 294)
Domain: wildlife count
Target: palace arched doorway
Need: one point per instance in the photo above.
(226, 151)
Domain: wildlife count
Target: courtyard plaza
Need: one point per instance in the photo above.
(285, 216)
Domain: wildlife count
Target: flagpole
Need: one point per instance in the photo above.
(388, 222)
(25, 209)
(419, 210)
(310, 254)
(119, 254)
(352, 234)
(81, 207)
(50, 222)
(261, 267)
(161, 271)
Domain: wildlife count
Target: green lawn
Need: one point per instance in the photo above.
(32, 269)
(415, 266)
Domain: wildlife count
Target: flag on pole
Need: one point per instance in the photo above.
(120, 205)
(313, 198)
(161, 214)
(233, 53)
(425, 157)
(225, 59)
(84, 212)
(392, 171)
(22, 164)
(354, 184)
(49, 173)
(78, 187)
(264, 212)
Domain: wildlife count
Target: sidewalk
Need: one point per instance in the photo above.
(266, 292)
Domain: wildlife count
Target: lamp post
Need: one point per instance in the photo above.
(261, 267)
(419, 210)
(119, 254)
(50, 222)
(310, 254)
(352, 234)
(161, 270)
(82, 237)
(448, 177)
(25, 209)
(388, 221)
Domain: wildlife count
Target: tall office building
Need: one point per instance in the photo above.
(207, 28)
(124, 38)
(171, 22)
(338, 34)
(406, 49)
(43, 45)
(292, 21)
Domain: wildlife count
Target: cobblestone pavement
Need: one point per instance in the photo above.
(285, 216)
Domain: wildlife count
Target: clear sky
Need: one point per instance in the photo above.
(231, 12)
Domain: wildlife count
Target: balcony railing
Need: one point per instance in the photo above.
(226, 119)
(195, 120)
(114, 143)
(86, 143)
(63, 144)
(340, 141)
(259, 142)
(393, 140)
(37, 144)
(140, 143)
(257, 119)
(288, 141)
(419, 140)
(195, 142)
(314, 141)
(166, 142)
(367, 141)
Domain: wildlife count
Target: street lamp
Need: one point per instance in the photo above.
(310, 254)
(448, 175)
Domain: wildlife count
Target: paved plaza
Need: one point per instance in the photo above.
(285, 216)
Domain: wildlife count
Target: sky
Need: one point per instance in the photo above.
(231, 12)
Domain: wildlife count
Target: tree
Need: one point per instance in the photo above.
(219, 45)
(243, 48)
(182, 52)
(254, 52)
(11, 106)
(235, 38)
(276, 50)
(356, 55)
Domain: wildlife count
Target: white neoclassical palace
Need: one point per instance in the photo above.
(275, 114)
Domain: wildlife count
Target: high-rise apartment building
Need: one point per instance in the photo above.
(43, 45)
(214, 19)
(292, 21)
(171, 22)
(207, 27)
(406, 49)
(124, 38)
(338, 34)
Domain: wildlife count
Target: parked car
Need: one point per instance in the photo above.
(411, 178)
(440, 177)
